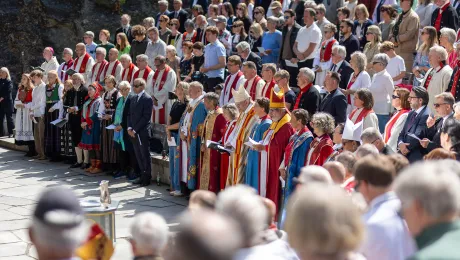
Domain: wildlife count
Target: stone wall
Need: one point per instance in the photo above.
(28, 26)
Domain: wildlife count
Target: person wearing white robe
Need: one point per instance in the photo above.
(97, 73)
(67, 55)
(161, 97)
(50, 63)
(233, 66)
(126, 63)
(322, 66)
(80, 50)
(142, 64)
(114, 67)
(250, 73)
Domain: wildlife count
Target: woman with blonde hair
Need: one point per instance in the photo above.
(53, 111)
(400, 102)
(24, 126)
(429, 38)
(358, 79)
(255, 37)
(123, 45)
(372, 48)
(6, 101)
(244, 15)
(361, 24)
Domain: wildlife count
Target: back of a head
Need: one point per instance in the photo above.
(322, 220)
(203, 199)
(206, 234)
(376, 170)
(366, 149)
(314, 173)
(243, 205)
(347, 159)
(336, 170)
(400, 162)
(149, 232)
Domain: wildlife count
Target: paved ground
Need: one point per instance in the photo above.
(23, 179)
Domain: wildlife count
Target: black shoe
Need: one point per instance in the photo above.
(85, 166)
(69, 162)
(144, 184)
(76, 165)
(139, 181)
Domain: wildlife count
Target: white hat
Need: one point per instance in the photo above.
(240, 95)
(352, 131)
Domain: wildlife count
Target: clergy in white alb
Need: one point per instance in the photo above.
(50, 63)
(253, 84)
(144, 71)
(234, 80)
(114, 67)
(164, 82)
(83, 64)
(67, 55)
(128, 68)
(97, 73)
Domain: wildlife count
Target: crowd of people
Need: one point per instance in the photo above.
(261, 93)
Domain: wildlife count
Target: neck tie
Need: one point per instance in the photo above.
(333, 67)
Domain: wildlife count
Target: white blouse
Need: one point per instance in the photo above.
(362, 81)
(382, 88)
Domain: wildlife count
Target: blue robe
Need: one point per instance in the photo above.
(252, 168)
(197, 120)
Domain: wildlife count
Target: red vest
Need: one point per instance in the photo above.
(64, 76)
(130, 72)
(266, 92)
(326, 50)
(161, 113)
(102, 68)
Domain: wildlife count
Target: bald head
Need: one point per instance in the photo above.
(80, 49)
(202, 199)
(336, 170)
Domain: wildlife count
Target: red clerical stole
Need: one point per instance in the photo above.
(228, 91)
(326, 50)
(161, 112)
(392, 122)
(361, 115)
(130, 70)
(84, 62)
(104, 63)
(453, 90)
(64, 76)
(430, 75)
(437, 23)
(114, 68)
(267, 90)
(252, 91)
(147, 71)
(302, 91)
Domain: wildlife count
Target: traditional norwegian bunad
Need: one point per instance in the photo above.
(213, 130)
(323, 60)
(97, 72)
(189, 36)
(233, 81)
(164, 81)
(54, 95)
(244, 125)
(107, 107)
(254, 87)
(276, 138)
(114, 68)
(368, 117)
(128, 73)
(225, 157)
(63, 76)
(67, 146)
(24, 134)
(257, 161)
(146, 74)
(84, 65)
(192, 127)
(320, 149)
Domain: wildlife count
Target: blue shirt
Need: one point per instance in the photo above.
(272, 41)
(212, 52)
(91, 49)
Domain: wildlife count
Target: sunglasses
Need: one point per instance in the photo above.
(137, 86)
(287, 17)
(161, 21)
(172, 24)
(256, 12)
(436, 105)
(375, 62)
(395, 97)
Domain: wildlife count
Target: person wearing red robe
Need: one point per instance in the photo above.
(322, 146)
(213, 130)
(275, 140)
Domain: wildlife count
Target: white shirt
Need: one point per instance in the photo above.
(382, 88)
(362, 81)
(169, 86)
(387, 234)
(95, 73)
(327, 64)
(148, 86)
(125, 77)
(337, 66)
(38, 104)
(225, 96)
(259, 86)
(48, 66)
(307, 35)
(395, 67)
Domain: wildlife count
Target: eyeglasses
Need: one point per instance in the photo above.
(236, 26)
(287, 17)
(395, 97)
(375, 62)
(436, 105)
(172, 24)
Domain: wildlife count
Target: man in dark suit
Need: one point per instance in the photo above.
(431, 137)
(408, 140)
(139, 120)
(290, 30)
(125, 28)
(335, 103)
(444, 16)
(456, 5)
(163, 6)
(340, 65)
(179, 14)
(308, 97)
(244, 51)
(202, 3)
(298, 6)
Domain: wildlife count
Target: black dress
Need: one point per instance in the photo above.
(52, 132)
(76, 98)
(109, 154)
(6, 106)
(67, 148)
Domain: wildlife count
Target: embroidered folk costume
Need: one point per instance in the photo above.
(52, 132)
(24, 134)
(107, 107)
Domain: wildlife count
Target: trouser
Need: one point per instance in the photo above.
(383, 120)
(306, 64)
(173, 172)
(9, 121)
(39, 136)
(211, 83)
(293, 71)
(32, 148)
(141, 149)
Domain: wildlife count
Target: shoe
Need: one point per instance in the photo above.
(36, 156)
(168, 189)
(134, 180)
(133, 176)
(144, 184)
(137, 181)
(119, 175)
(171, 192)
(85, 166)
(42, 158)
(76, 165)
(97, 168)
(178, 194)
(93, 165)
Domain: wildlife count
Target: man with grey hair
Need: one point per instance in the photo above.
(128, 69)
(144, 72)
(67, 56)
(372, 136)
(437, 78)
(164, 81)
(179, 14)
(125, 27)
(430, 201)
(58, 225)
(254, 84)
(97, 72)
(340, 65)
(163, 10)
(365, 150)
(213, 129)
(309, 97)
(149, 236)
(244, 51)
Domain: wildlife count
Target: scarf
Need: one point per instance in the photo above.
(118, 136)
(302, 91)
(453, 90)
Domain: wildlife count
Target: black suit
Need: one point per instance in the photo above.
(127, 32)
(127, 157)
(345, 72)
(415, 124)
(310, 100)
(293, 71)
(449, 18)
(203, 3)
(336, 105)
(6, 106)
(139, 119)
(451, 82)
(257, 60)
(434, 135)
(182, 17)
(458, 7)
(298, 11)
